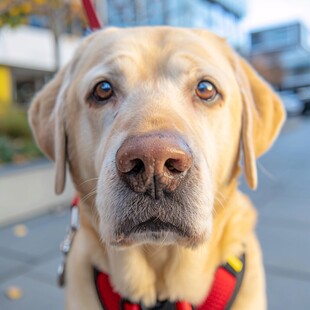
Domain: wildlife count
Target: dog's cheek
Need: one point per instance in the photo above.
(206, 202)
(106, 216)
(107, 192)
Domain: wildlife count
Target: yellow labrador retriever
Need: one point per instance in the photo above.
(152, 123)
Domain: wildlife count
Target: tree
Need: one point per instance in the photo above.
(57, 15)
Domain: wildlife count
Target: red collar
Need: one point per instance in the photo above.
(226, 284)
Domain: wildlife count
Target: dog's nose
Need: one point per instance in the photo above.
(154, 163)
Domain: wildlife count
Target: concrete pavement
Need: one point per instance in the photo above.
(283, 202)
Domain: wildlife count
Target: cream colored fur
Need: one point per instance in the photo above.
(157, 70)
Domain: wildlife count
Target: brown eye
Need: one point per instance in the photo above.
(206, 91)
(103, 91)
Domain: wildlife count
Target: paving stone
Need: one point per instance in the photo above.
(287, 293)
(37, 295)
(46, 271)
(43, 238)
(9, 267)
(286, 248)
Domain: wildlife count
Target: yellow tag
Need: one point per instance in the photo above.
(235, 263)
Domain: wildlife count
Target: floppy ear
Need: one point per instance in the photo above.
(46, 115)
(263, 116)
(47, 123)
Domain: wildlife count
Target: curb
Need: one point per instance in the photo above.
(29, 191)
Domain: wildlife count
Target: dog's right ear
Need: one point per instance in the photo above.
(263, 117)
(47, 123)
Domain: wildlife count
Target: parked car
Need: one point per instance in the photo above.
(293, 105)
(304, 96)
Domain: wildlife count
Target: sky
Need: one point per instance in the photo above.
(261, 13)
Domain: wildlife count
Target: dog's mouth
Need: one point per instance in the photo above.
(152, 229)
(155, 225)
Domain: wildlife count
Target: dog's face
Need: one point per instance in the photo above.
(154, 118)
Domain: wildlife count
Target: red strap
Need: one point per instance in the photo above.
(183, 305)
(75, 201)
(225, 285)
(221, 291)
(92, 17)
(130, 306)
(108, 297)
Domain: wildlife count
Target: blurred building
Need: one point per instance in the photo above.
(220, 16)
(282, 55)
(27, 61)
(31, 53)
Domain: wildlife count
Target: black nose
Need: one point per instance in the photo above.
(154, 162)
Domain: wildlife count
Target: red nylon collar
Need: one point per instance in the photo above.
(223, 291)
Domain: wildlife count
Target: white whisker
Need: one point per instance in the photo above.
(88, 180)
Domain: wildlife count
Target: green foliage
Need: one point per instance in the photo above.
(17, 150)
(16, 12)
(14, 124)
(16, 142)
(6, 150)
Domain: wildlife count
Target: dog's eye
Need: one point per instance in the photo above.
(206, 91)
(103, 91)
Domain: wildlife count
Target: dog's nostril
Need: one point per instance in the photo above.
(138, 167)
(172, 165)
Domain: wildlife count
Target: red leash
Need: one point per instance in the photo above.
(92, 17)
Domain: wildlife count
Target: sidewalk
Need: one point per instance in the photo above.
(283, 202)
(30, 263)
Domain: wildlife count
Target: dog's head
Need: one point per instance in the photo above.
(154, 119)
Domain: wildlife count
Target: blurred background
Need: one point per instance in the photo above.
(37, 37)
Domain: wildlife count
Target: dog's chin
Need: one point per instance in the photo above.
(147, 237)
(163, 238)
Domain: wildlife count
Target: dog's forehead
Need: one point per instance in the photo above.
(154, 45)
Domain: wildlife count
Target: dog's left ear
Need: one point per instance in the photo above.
(47, 123)
(263, 116)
